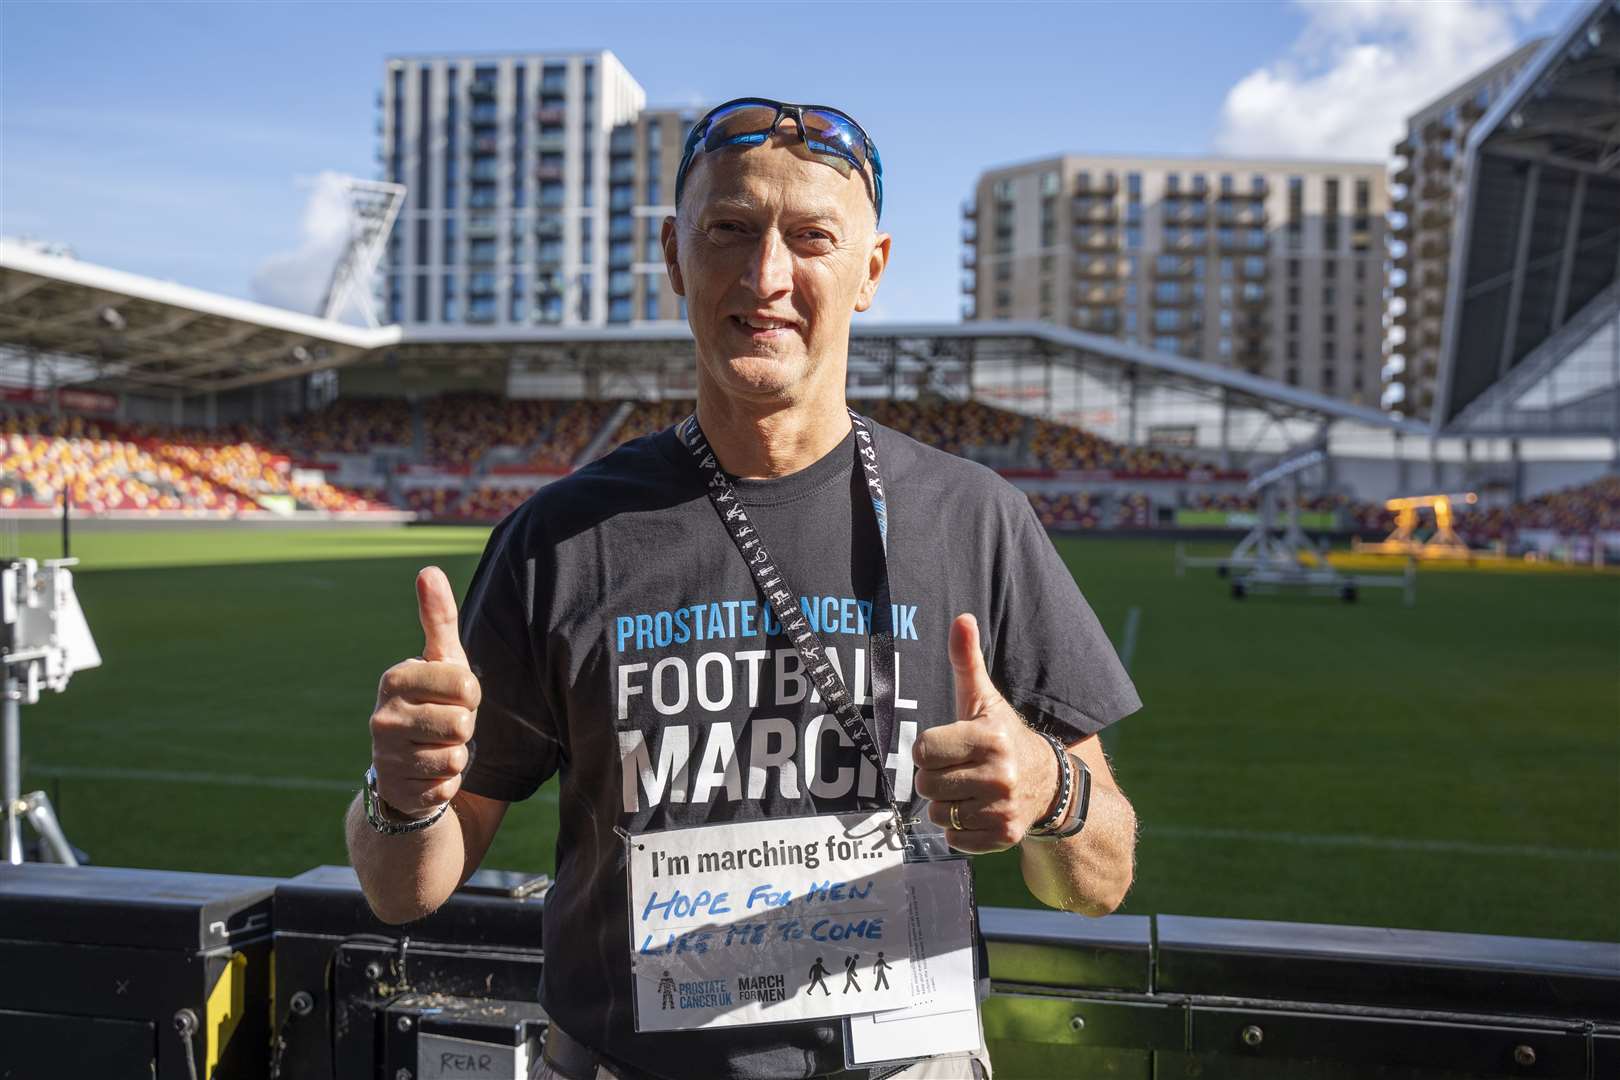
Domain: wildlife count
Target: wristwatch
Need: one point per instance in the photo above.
(378, 811)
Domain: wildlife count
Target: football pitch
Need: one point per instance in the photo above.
(1453, 766)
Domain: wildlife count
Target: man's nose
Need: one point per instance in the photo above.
(770, 269)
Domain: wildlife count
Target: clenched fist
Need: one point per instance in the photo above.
(426, 710)
(1000, 776)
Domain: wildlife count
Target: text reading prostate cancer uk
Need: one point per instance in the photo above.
(760, 922)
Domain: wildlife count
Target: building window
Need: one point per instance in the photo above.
(1296, 211)
(1133, 186)
(421, 312)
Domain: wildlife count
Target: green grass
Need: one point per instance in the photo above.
(1453, 766)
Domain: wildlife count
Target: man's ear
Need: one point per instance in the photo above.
(876, 262)
(668, 240)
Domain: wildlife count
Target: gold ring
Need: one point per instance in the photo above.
(956, 822)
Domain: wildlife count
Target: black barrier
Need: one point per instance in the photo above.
(102, 966)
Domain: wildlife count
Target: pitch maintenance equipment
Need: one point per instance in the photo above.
(1276, 555)
(44, 640)
(1443, 544)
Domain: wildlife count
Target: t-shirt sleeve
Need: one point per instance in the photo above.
(514, 747)
(1051, 658)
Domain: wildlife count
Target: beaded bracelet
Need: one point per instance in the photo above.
(1045, 825)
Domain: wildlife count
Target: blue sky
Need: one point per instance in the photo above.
(177, 140)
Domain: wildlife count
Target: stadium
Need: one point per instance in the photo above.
(1320, 784)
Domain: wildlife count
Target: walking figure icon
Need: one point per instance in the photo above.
(882, 968)
(818, 977)
(666, 989)
(849, 973)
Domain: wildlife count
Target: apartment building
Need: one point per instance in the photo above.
(1272, 266)
(536, 184)
(1428, 179)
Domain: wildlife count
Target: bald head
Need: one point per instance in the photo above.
(774, 250)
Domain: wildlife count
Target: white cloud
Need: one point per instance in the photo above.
(1359, 68)
(298, 279)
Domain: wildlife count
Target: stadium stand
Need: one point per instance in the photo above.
(241, 470)
(1063, 448)
(351, 426)
(491, 503)
(144, 468)
(956, 427)
(575, 427)
(461, 428)
(1065, 510)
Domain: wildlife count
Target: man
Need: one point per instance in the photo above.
(614, 636)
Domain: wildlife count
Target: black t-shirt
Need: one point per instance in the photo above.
(622, 645)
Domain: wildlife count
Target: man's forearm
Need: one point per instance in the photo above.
(1090, 872)
(409, 875)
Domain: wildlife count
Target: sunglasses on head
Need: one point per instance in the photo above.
(750, 121)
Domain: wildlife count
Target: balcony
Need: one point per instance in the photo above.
(482, 227)
(1435, 217)
(1173, 268)
(1249, 214)
(970, 260)
(1088, 239)
(1092, 269)
(1431, 191)
(1086, 184)
(1437, 131)
(1404, 176)
(551, 144)
(1435, 247)
(1095, 294)
(481, 89)
(970, 211)
(1238, 243)
(486, 144)
(1184, 213)
(548, 227)
(1176, 298)
(1252, 299)
(1258, 188)
(1098, 320)
(548, 172)
(1258, 271)
(1406, 148)
(1087, 209)
(551, 117)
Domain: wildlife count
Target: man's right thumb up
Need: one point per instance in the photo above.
(436, 605)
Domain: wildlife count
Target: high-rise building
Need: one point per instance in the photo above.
(1271, 266)
(536, 184)
(1427, 180)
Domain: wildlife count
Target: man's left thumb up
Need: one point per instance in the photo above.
(974, 690)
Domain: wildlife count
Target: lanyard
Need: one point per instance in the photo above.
(785, 605)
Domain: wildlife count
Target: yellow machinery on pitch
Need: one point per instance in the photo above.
(1444, 543)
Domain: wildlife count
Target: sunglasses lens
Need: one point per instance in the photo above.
(739, 120)
(832, 133)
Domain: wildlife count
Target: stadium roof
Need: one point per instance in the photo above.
(1529, 326)
(128, 332)
(138, 333)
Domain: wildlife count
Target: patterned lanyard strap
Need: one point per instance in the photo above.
(784, 602)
